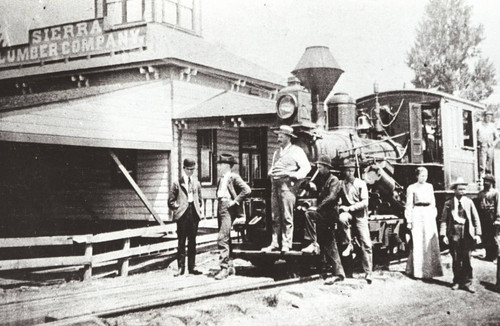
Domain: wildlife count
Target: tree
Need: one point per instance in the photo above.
(446, 53)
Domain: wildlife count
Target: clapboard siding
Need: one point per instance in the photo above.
(43, 183)
(137, 114)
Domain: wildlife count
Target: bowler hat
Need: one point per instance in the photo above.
(489, 177)
(458, 182)
(226, 158)
(325, 160)
(285, 130)
(189, 163)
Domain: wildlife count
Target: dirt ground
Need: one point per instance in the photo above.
(392, 299)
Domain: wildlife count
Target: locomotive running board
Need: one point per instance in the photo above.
(239, 253)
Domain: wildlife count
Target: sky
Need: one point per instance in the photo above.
(369, 39)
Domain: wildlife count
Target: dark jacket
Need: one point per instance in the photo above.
(239, 190)
(447, 219)
(328, 196)
(178, 198)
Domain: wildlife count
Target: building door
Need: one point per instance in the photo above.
(253, 154)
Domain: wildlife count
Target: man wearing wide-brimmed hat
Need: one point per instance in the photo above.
(487, 135)
(231, 192)
(489, 212)
(320, 220)
(354, 210)
(460, 228)
(289, 165)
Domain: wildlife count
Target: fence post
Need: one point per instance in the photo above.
(87, 271)
(124, 263)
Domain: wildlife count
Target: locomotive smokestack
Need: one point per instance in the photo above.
(318, 71)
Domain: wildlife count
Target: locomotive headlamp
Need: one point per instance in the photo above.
(286, 107)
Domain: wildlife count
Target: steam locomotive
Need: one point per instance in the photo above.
(387, 134)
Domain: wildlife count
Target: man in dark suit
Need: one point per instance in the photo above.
(185, 201)
(231, 191)
(321, 219)
(460, 228)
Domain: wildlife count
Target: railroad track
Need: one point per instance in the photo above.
(118, 296)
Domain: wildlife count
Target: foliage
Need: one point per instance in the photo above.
(446, 53)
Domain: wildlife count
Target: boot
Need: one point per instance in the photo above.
(180, 271)
(312, 249)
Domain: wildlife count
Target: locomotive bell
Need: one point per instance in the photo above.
(293, 103)
(318, 71)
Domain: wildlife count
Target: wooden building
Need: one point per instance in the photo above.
(77, 92)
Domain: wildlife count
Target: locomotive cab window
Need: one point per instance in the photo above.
(467, 129)
(431, 133)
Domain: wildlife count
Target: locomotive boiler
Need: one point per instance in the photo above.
(329, 126)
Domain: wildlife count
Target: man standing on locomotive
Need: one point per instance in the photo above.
(320, 220)
(460, 228)
(289, 165)
(231, 191)
(354, 209)
(486, 137)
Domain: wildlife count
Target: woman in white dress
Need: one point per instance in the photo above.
(424, 260)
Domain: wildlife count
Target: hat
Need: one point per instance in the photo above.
(346, 163)
(458, 182)
(189, 163)
(488, 113)
(325, 160)
(285, 130)
(227, 158)
(489, 177)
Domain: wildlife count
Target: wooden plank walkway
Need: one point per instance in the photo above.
(104, 298)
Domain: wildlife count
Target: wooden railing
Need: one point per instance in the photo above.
(89, 260)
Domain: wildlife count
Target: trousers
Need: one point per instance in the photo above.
(363, 234)
(321, 229)
(282, 202)
(461, 245)
(225, 218)
(187, 227)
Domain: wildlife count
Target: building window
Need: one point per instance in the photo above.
(253, 153)
(124, 11)
(129, 160)
(207, 156)
(178, 12)
(467, 128)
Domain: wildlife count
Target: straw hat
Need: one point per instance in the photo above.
(285, 130)
(458, 182)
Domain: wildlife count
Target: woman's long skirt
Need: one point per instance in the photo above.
(424, 260)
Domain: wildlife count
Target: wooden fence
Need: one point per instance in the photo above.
(88, 259)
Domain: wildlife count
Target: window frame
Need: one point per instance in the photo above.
(179, 6)
(468, 143)
(260, 150)
(124, 11)
(213, 158)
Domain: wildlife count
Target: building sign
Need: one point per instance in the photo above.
(72, 40)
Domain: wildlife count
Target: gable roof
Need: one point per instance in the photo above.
(228, 104)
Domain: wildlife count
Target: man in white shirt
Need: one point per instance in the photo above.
(231, 192)
(487, 136)
(354, 210)
(460, 228)
(290, 164)
(185, 201)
